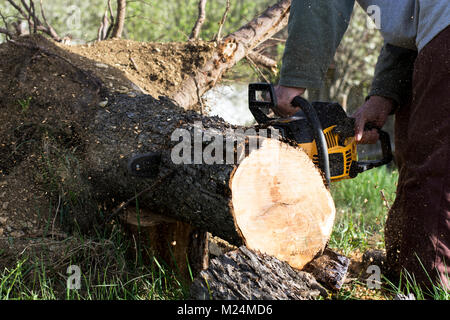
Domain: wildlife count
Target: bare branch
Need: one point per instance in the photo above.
(6, 32)
(104, 27)
(230, 50)
(28, 12)
(111, 17)
(263, 60)
(9, 34)
(218, 38)
(255, 67)
(200, 20)
(121, 13)
(49, 29)
(28, 17)
(18, 8)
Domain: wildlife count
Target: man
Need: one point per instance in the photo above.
(412, 81)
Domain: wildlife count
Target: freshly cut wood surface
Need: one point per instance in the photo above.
(281, 205)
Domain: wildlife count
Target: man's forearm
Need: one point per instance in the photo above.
(316, 28)
(393, 74)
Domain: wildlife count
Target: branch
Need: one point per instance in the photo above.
(8, 33)
(263, 60)
(121, 13)
(217, 38)
(200, 20)
(102, 33)
(34, 23)
(49, 29)
(28, 17)
(230, 50)
(255, 67)
(111, 16)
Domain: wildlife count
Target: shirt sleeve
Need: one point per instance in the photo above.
(315, 30)
(393, 74)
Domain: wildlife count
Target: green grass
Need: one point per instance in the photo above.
(361, 210)
(408, 285)
(107, 273)
(362, 205)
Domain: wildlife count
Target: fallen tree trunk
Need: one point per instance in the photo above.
(246, 189)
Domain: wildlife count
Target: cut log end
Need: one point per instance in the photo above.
(281, 205)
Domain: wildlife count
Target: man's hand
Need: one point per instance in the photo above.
(375, 111)
(285, 95)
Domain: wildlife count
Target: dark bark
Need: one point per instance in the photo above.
(178, 244)
(263, 61)
(247, 275)
(130, 126)
(330, 269)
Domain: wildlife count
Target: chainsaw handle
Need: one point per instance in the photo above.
(256, 105)
(321, 143)
(361, 166)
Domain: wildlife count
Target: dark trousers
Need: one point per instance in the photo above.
(417, 230)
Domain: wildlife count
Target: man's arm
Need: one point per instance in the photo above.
(315, 30)
(393, 74)
(391, 88)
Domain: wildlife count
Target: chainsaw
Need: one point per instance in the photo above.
(322, 129)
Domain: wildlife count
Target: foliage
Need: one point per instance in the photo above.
(147, 20)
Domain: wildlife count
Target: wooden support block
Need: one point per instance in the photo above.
(330, 269)
(176, 243)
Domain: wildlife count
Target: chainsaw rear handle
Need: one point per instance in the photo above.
(357, 167)
(386, 150)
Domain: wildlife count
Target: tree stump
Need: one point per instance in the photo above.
(181, 246)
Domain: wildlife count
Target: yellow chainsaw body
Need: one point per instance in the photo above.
(341, 156)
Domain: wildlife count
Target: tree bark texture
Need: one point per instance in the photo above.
(244, 274)
(120, 19)
(200, 19)
(173, 242)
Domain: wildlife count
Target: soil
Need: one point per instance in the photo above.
(35, 71)
(157, 68)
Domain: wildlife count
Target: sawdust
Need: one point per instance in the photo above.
(157, 68)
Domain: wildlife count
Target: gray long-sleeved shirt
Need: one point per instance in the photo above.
(316, 28)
